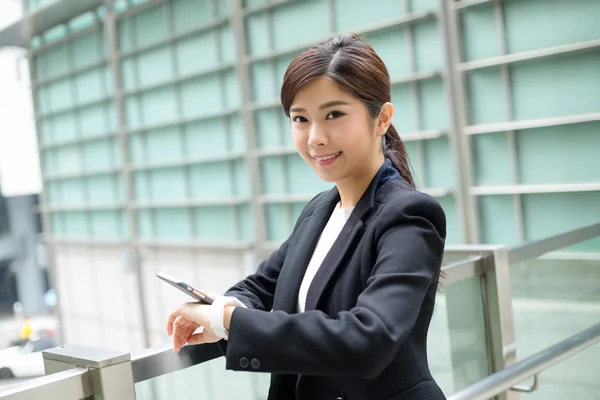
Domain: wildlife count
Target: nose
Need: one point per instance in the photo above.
(317, 136)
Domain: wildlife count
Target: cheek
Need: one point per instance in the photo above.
(353, 136)
(300, 140)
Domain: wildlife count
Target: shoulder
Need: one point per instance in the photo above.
(312, 205)
(399, 203)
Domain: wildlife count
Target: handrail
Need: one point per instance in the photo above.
(462, 269)
(504, 380)
(532, 250)
(72, 384)
(158, 361)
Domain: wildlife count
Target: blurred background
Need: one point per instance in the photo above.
(139, 136)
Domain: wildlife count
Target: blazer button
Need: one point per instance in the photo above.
(255, 363)
(244, 362)
(342, 397)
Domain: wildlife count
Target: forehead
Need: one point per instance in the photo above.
(319, 91)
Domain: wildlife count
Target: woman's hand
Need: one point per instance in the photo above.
(183, 322)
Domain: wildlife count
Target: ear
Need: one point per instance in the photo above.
(384, 119)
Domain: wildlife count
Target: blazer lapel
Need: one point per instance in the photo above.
(306, 239)
(347, 236)
(332, 261)
(299, 255)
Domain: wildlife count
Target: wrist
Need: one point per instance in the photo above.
(227, 316)
(220, 315)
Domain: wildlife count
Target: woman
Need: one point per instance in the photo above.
(341, 310)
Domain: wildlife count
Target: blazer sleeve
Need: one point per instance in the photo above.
(258, 289)
(410, 235)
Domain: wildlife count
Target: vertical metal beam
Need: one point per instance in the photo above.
(105, 88)
(512, 147)
(217, 35)
(79, 126)
(416, 98)
(252, 158)
(142, 132)
(282, 158)
(45, 215)
(237, 23)
(111, 38)
(459, 142)
(168, 16)
(499, 315)
(332, 25)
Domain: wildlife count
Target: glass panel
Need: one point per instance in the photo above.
(575, 78)
(453, 235)
(205, 381)
(497, 219)
(569, 379)
(553, 298)
(555, 28)
(573, 160)
(456, 341)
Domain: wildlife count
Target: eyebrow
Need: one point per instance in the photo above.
(323, 106)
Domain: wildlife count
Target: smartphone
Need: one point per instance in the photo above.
(185, 288)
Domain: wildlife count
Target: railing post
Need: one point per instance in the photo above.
(111, 376)
(499, 314)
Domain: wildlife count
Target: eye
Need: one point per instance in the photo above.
(299, 119)
(334, 114)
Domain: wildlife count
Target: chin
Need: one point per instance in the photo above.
(328, 177)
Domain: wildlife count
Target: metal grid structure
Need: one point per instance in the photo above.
(532, 146)
(258, 150)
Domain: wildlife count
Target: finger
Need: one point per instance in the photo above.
(210, 294)
(181, 332)
(170, 320)
(175, 314)
(197, 338)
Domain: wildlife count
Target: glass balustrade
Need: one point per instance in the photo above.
(553, 297)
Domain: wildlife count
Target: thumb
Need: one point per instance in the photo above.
(210, 294)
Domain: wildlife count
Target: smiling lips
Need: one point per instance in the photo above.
(326, 160)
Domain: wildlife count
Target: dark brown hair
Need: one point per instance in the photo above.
(358, 71)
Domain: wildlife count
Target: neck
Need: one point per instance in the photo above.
(352, 188)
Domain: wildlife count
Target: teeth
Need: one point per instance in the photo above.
(327, 158)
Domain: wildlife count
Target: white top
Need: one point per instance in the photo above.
(334, 226)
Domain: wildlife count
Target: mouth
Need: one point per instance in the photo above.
(326, 160)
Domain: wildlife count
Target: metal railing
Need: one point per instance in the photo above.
(506, 379)
(72, 384)
(78, 371)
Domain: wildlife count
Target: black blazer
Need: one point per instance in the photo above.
(364, 332)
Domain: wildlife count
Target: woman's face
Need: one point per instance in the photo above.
(332, 131)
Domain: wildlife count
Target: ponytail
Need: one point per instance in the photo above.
(393, 148)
